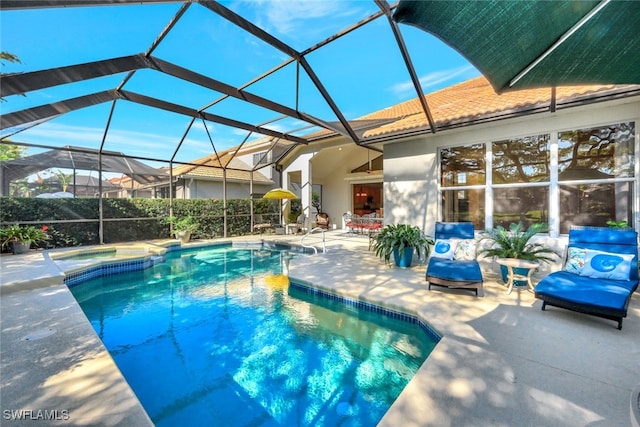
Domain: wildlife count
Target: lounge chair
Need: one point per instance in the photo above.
(452, 262)
(599, 275)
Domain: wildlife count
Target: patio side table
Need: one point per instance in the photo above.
(512, 263)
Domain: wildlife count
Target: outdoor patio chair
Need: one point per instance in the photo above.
(599, 276)
(322, 220)
(452, 262)
(299, 225)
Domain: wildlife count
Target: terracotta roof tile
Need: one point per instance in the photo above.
(205, 170)
(471, 100)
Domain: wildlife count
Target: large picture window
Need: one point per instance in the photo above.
(518, 168)
(591, 183)
(462, 180)
(595, 172)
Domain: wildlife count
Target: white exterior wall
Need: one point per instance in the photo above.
(411, 167)
(199, 189)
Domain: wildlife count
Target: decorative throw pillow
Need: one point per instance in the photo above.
(606, 265)
(444, 248)
(575, 260)
(465, 250)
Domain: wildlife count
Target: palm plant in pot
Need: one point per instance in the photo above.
(20, 238)
(401, 241)
(516, 243)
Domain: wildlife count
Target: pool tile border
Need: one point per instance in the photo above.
(110, 268)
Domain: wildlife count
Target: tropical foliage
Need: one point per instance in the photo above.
(516, 243)
(399, 237)
(23, 234)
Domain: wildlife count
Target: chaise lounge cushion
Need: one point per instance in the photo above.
(458, 271)
(610, 295)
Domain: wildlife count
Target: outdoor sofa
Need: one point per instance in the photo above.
(599, 275)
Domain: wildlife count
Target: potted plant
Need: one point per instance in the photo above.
(182, 228)
(20, 238)
(516, 243)
(401, 240)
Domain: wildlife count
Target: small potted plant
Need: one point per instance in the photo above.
(20, 238)
(182, 228)
(401, 241)
(516, 243)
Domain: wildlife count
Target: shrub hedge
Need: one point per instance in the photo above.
(74, 221)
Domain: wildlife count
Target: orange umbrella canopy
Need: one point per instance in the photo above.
(279, 194)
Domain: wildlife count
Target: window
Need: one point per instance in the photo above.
(519, 167)
(462, 180)
(520, 160)
(593, 182)
(526, 204)
(462, 165)
(261, 158)
(589, 161)
(463, 206)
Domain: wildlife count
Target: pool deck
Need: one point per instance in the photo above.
(501, 360)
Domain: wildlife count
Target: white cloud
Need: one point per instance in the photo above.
(291, 17)
(432, 79)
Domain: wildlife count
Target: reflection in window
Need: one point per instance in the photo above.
(595, 204)
(521, 160)
(596, 153)
(462, 165)
(464, 205)
(526, 204)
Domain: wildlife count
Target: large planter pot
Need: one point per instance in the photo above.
(405, 260)
(183, 236)
(516, 270)
(20, 247)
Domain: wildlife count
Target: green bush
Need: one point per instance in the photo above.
(119, 223)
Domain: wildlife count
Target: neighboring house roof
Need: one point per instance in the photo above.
(475, 101)
(237, 169)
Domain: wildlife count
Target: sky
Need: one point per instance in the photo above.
(363, 71)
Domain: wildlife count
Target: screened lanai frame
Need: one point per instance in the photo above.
(314, 128)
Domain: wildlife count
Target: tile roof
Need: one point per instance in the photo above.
(475, 100)
(203, 168)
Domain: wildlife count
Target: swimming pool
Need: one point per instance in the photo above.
(217, 337)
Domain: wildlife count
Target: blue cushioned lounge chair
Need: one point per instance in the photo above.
(599, 276)
(451, 272)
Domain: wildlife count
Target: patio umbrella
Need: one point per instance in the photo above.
(537, 43)
(279, 194)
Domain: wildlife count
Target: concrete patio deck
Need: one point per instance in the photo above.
(501, 362)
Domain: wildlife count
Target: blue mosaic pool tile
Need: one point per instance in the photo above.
(174, 247)
(107, 269)
(370, 307)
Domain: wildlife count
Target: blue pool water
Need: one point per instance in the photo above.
(215, 337)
